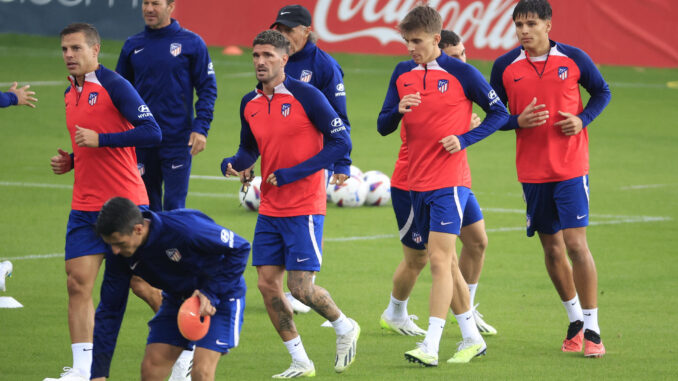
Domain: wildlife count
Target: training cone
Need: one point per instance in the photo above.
(232, 50)
(191, 325)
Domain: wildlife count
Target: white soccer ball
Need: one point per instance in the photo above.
(378, 188)
(349, 194)
(356, 172)
(252, 198)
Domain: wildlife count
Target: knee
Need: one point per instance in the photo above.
(476, 247)
(577, 251)
(416, 262)
(201, 373)
(267, 287)
(76, 284)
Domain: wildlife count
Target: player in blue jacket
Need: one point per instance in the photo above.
(184, 253)
(16, 97)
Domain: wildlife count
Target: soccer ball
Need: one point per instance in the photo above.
(378, 188)
(252, 198)
(356, 172)
(349, 194)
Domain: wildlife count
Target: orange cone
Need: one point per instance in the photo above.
(191, 325)
(232, 50)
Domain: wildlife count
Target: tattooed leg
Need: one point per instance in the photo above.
(302, 287)
(278, 308)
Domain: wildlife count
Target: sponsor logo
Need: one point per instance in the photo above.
(219, 342)
(134, 265)
(173, 254)
(442, 85)
(443, 223)
(306, 76)
(92, 100)
(580, 217)
(144, 108)
(285, 109)
(226, 237)
(336, 122)
(176, 166)
(529, 221)
(517, 79)
(145, 112)
(303, 260)
(284, 13)
(588, 314)
(340, 87)
(86, 349)
(175, 49)
(492, 95)
(335, 130)
(407, 84)
(340, 90)
(141, 168)
(562, 72)
(253, 114)
(136, 51)
(210, 68)
(416, 237)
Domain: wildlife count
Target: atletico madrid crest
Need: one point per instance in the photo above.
(305, 76)
(442, 85)
(93, 98)
(173, 254)
(175, 49)
(285, 109)
(562, 72)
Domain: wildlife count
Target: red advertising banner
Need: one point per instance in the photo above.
(620, 32)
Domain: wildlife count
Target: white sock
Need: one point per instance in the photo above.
(467, 325)
(82, 358)
(397, 309)
(435, 331)
(472, 292)
(573, 309)
(342, 325)
(591, 320)
(296, 350)
(186, 355)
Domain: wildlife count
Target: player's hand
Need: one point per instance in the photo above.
(206, 307)
(24, 96)
(85, 137)
(409, 101)
(197, 142)
(61, 163)
(531, 116)
(571, 125)
(230, 171)
(247, 175)
(338, 178)
(451, 143)
(475, 121)
(272, 180)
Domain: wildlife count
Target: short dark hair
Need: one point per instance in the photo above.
(272, 37)
(118, 215)
(424, 18)
(91, 34)
(448, 38)
(541, 8)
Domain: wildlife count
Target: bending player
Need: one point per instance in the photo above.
(540, 81)
(436, 142)
(285, 121)
(472, 234)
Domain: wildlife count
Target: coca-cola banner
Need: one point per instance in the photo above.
(623, 32)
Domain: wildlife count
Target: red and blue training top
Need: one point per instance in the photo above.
(544, 153)
(110, 106)
(287, 130)
(447, 87)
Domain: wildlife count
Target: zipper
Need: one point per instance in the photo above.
(425, 72)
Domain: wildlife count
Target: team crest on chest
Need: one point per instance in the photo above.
(442, 85)
(562, 72)
(285, 109)
(173, 254)
(175, 49)
(306, 76)
(93, 98)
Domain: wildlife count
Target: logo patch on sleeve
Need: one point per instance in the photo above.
(173, 254)
(306, 76)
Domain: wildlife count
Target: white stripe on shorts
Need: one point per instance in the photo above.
(408, 224)
(456, 201)
(311, 231)
(236, 326)
(586, 189)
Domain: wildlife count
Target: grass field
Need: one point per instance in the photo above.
(634, 233)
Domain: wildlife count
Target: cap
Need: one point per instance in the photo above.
(293, 15)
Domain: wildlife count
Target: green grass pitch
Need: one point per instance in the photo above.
(634, 233)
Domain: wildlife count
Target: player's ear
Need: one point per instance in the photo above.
(436, 38)
(138, 228)
(548, 26)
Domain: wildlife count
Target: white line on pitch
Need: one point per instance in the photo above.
(647, 186)
(65, 186)
(34, 256)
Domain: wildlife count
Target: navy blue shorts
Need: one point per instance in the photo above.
(165, 169)
(440, 210)
(224, 332)
(472, 211)
(552, 207)
(292, 242)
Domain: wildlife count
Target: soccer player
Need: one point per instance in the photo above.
(540, 81)
(17, 96)
(106, 119)
(472, 234)
(310, 64)
(284, 120)
(184, 253)
(432, 94)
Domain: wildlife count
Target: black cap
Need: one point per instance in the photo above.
(293, 15)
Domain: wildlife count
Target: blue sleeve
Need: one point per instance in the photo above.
(480, 92)
(593, 82)
(248, 151)
(325, 119)
(497, 83)
(109, 313)
(389, 116)
(205, 83)
(8, 99)
(335, 92)
(146, 132)
(124, 67)
(226, 255)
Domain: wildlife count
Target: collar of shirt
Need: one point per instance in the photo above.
(170, 29)
(308, 50)
(89, 77)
